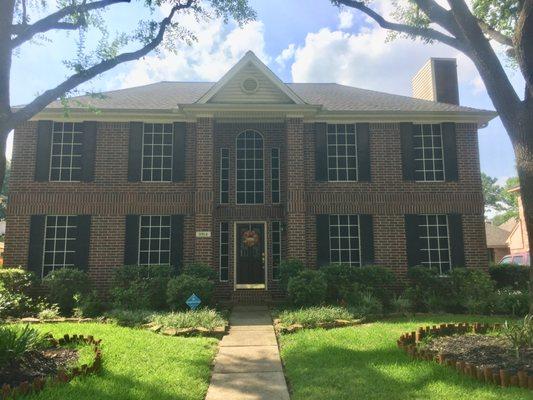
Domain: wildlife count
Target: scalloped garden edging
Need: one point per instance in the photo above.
(501, 377)
(38, 384)
(217, 332)
(338, 323)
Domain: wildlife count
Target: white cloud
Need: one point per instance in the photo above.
(286, 55)
(345, 19)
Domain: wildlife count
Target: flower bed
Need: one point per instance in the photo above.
(326, 317)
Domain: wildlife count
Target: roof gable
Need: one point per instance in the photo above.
(250, 81)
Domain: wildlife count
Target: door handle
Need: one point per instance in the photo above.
(263, 260)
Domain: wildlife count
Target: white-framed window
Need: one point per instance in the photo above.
(224, 252)
(224, 176)
(154, 239)
(60, 234)
(157, 152)
(275, 175)
(435, 251)
(250, 168)
(428, 153)
(276, 248)
(342, 152)
(344, 240)
(66, 151)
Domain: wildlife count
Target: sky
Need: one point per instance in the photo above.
(300, 40)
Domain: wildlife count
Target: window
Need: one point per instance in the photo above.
(428, 153)
(224, 252)
(224, 176)
(344, 239)
(435, 242)
(275, 176)
(157, 152)
(342, 152)
(65, 156)
(60, 233)
(518, 260)
(154, 239)
(276, 249)
(250, 179)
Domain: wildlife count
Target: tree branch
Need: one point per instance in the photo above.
(52, 21)
(439, 15)
(425, 33)
(493, 34)
(40, 102)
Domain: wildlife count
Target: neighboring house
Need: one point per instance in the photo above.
(496, 242)
(518, 240)
(248, 171)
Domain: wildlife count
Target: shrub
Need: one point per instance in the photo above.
(64, 286)
(205, 318)
(511, 302)
(312, 316)
(339, 279)
(16, 342)
(362, 303)
(308, 288)
(14, 300)
(129, 317)
(400, 304)
(287, 270)
(520, 334)
(181, 288)
(15, 279)
(49, 312)
(510, 276)
(200, 270)
(377, 281)
(90, 305)
(424, 288)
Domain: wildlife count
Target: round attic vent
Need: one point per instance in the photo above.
(250, 85)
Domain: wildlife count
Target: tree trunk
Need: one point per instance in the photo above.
(4, 132)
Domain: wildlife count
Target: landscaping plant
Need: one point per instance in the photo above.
(65, 286)
(520, 334)
(17, 341)
(510, 276)
(14, 299)
(131, 318)
(49, 312)
(181, 288)
(200, 270)
(287, 270)
(308, 288)
(312, 316)
(205, 318)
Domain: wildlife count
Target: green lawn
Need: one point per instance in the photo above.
(364, 362)
(138, 364)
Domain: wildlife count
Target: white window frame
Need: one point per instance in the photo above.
(245, 169)
(162, 157)
(55, 250)
(278, 179)
(224, 250)
(221, 170)
(337, 155)
(354, 263)
(276, 256)
(160, 239)
(66, 157)
(433, 159)
(426, 238)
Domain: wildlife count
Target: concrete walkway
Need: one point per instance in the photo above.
(248, 365)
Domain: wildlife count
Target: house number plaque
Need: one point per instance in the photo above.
(203, 234)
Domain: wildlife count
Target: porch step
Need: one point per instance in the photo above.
(251, 297)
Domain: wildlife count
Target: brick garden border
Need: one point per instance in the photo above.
(338, 323)
(38, 384)
(501, 377)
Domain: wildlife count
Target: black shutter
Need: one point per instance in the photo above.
(35, 254)
(455, 234)
(44, 145)
(176, 241)
(178, 168)
(83, 241)
(366, 230)
(135, 151)
(412, 239)
(88, 151)
(408, 161)
(321, 151)
(322, 239)
(363, 151)
(131, 247)
(449, 143)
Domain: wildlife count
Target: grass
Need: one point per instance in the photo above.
(313, 315)
(137, 365)
(364, 362)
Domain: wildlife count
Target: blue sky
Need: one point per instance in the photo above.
(301, 41)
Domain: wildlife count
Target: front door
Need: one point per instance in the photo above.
(250, 253)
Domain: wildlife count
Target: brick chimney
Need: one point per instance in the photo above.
(437, 81)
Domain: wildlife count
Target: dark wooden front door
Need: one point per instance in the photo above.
(250, 254)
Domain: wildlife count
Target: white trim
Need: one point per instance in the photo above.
(220, 177)
(237, 169)
(162, 156)
(265, 248)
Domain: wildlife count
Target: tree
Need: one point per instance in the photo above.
(498, 199)
(21, 22)
(471, 31)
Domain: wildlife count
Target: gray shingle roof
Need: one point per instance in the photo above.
(495, 235)
(332, 96)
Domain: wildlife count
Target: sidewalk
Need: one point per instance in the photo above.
(248, 365)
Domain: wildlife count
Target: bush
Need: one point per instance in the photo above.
(511, 302)
(339, 278)
(205, 318)
(14, 300)
(287, 270)
(520, 334)
(200, 270)
(424, 288)
(64, 286)
(90, 305)
(15, 279)
(401, 304)
(312, 316)
(129, 317)
(181, 288)
(49, 312)
(308, 288)
(377, 281)
(361, 302)
(16, 342)
(510, 276)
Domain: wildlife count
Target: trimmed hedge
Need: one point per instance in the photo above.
(510, 276)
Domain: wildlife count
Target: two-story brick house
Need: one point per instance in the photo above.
(246, 172)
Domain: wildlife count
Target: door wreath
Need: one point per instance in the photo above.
(250, 238)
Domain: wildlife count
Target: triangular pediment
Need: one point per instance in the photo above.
(250, 81)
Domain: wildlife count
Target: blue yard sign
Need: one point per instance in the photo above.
(193, 301)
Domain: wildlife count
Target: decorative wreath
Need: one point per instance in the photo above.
(250, 238)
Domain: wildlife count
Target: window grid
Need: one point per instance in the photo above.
(59, 248)
(250, 174)
(275, 175)
(428, 149)
(224, 176)
(224, 252)
(276, 249)
(344, 243)
(342, 153)
(66, 151)
(436, 244)
(157, 152)
(154, 239)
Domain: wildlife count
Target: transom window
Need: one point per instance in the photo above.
(250, 168)
(435, 251)
(157, 152)
(60, 235)
(154, 239)
(429, 159)
(66, 151)
(342, 152)
(344, 236)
